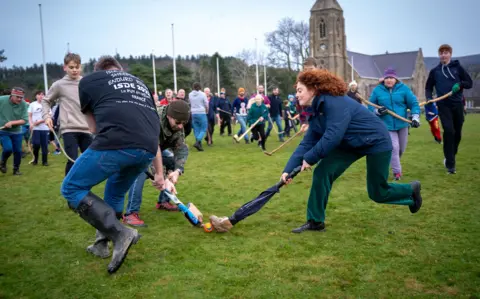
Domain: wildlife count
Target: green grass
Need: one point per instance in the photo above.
(369, 250)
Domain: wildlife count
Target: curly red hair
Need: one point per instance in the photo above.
(323, 82)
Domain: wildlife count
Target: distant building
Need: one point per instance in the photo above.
(328, 46)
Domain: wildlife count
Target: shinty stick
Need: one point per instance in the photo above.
(388, 111)
(436, 99)
(283, 144)
(246, 132)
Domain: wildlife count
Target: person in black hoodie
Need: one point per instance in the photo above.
(276, 113)
(449, 76)
(223, 109)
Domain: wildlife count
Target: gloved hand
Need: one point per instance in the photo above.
(415, 121)
(381, 111)
(456, 88)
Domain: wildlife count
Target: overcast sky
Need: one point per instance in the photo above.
(98, 27)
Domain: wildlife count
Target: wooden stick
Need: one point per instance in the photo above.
(224, 111)
(388, 111)
(283, 144)
(275, 129)
(437, 99)
(1, 128)
(246, 132)
(61, 146)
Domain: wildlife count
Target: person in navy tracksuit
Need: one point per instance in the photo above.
(341, 131)
(448, 76)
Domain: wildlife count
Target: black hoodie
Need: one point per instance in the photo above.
(443, 77)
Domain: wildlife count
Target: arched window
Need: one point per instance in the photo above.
(323, 29)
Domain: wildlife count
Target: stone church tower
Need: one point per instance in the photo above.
(328, 42)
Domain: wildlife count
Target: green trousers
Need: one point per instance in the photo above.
(379, 190)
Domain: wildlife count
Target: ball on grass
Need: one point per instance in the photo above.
(207, 227)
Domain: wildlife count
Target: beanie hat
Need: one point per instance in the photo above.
(241, 90)
(179, 110)
(390, 73)
(290, 96)
(353, 83)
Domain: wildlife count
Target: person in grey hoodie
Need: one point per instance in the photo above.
(73, 124)
(199, 108)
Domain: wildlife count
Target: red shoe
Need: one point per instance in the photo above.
(166, 206)
(133, 220)
(397, 176)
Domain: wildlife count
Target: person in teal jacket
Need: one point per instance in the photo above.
(397, 97)
(258, 111)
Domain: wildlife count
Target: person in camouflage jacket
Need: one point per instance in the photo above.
(174, 153)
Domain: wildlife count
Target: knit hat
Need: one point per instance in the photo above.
(241, 90)
(290, 96)
(353, 83)
(390, 73)
(179, 110)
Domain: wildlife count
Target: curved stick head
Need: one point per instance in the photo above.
(267, 153)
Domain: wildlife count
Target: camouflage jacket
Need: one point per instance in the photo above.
(174, 141)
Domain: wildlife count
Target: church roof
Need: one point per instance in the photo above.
(465, 61)
(373, 66)
(326, 4)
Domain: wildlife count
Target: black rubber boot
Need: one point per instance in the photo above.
(310, 225)
(100, 246)
(3, 167)
(101, 216)
(417, 197)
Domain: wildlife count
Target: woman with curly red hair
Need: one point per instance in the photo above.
(340, 132)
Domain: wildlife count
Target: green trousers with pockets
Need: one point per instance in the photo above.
(379, 190)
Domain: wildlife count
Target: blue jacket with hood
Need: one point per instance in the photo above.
(443, 77)
(398, 99)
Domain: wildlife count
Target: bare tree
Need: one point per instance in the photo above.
(289, 44)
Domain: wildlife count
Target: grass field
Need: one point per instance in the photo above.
(368, 251)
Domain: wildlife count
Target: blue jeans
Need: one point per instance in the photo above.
(119, 167)
(242, 120)
(270, 126)
(136, 190)
(278, 120)
(200, 125)
(12, 142)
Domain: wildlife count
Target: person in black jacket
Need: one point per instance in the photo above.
(340, 132)
(223, 114)
(276, 113)
(449, 76)
(352, 91)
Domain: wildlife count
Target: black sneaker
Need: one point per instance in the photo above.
(310, 225)
(34, 163)
(16, 172)
(45, 164)
(451, 171)
(417, 197)
(3, 167)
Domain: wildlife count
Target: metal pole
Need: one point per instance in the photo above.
(45, 82)
(265, 79)
(218, 78)
(154, 73)
(352, 68)
(174, 63)
(256, 61)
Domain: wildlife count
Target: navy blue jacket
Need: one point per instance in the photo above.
(240, 106)
(443, 77)
(340, 122)
(212, 108)
(224, 104)
(276, 105)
